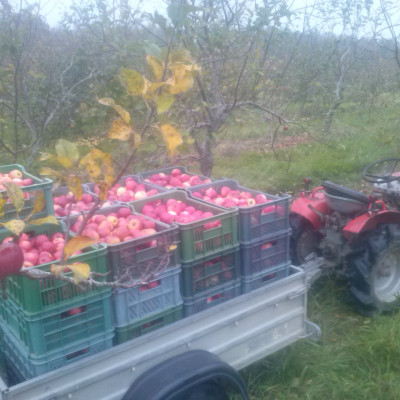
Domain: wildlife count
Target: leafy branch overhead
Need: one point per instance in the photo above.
(170, 78)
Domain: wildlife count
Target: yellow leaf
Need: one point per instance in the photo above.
(64, 161)
(67, 150)
(132, 81)
(81, 271)
(146, 87)
(182, 84)
(49, 171)
(107, 101)
(164, 101)
(15, 226)
(155, 85)
(3, 201)
(172, 247)
(178, 70)
(157, 65)
(77, 243)
(14, 193)
(50, 219)
(58, 269)
(75, 186)
(119, 130)
(99, 165)
(104, 187)
(171, 137)
(137, 139)
(40, 202)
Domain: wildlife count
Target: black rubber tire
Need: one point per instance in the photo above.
(373, 270)
(304, 239)
(205, 391)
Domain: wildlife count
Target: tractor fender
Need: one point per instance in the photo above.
(304, 206)
(368, 221)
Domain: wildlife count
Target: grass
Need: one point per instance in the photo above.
(357, 357)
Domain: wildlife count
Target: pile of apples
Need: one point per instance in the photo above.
(16, 177)
(172, 210)
(129, 190)
(227, 197)
(61, 204)
(176, 179)
(40, 249)
(117, 227)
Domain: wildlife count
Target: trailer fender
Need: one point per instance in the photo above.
(177, 377)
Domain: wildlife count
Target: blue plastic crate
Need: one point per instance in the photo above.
(160, 294)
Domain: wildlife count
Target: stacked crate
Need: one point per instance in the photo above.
(148, 266)
(50, 323)
(31, 186)
(263, 229)
(209, 251)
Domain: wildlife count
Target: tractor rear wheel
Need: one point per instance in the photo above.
(374, 270)
(305, 239)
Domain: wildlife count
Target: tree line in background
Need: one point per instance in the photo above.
(285, 63)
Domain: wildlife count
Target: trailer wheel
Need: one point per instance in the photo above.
(305, 239)
(374, 270)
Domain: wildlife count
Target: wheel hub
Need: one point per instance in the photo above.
(386, 275)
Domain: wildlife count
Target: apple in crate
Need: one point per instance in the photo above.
(176, 179)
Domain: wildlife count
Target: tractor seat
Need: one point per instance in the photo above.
(344, 200)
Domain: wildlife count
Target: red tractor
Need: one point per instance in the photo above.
(356, 235)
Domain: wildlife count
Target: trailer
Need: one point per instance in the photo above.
(205, 350)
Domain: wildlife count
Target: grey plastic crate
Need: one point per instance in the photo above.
(210, 272)
(264, 278)
(264, 254)
(134, 304)
(210, 298)
(257, 221)
(134, 260)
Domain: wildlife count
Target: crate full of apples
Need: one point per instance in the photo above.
(173, 177)
(42, 246)
(137, 247)
(128, 189)
(64, 199)
(204, 229)
(30, 186)
(260, 214)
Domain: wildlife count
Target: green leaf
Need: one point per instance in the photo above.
(164, 102)
(68, 150)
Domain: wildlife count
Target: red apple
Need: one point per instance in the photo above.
(135, 223)
(15, 173)
(11, 259)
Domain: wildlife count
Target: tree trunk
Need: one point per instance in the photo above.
(206, 158)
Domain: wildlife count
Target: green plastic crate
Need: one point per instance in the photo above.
(196, 241)
(65, 325)
(264, 278)
(210, 272)
(39, 185)
(30, 366)
(147, 325)
(45, 294)
(257, 221)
